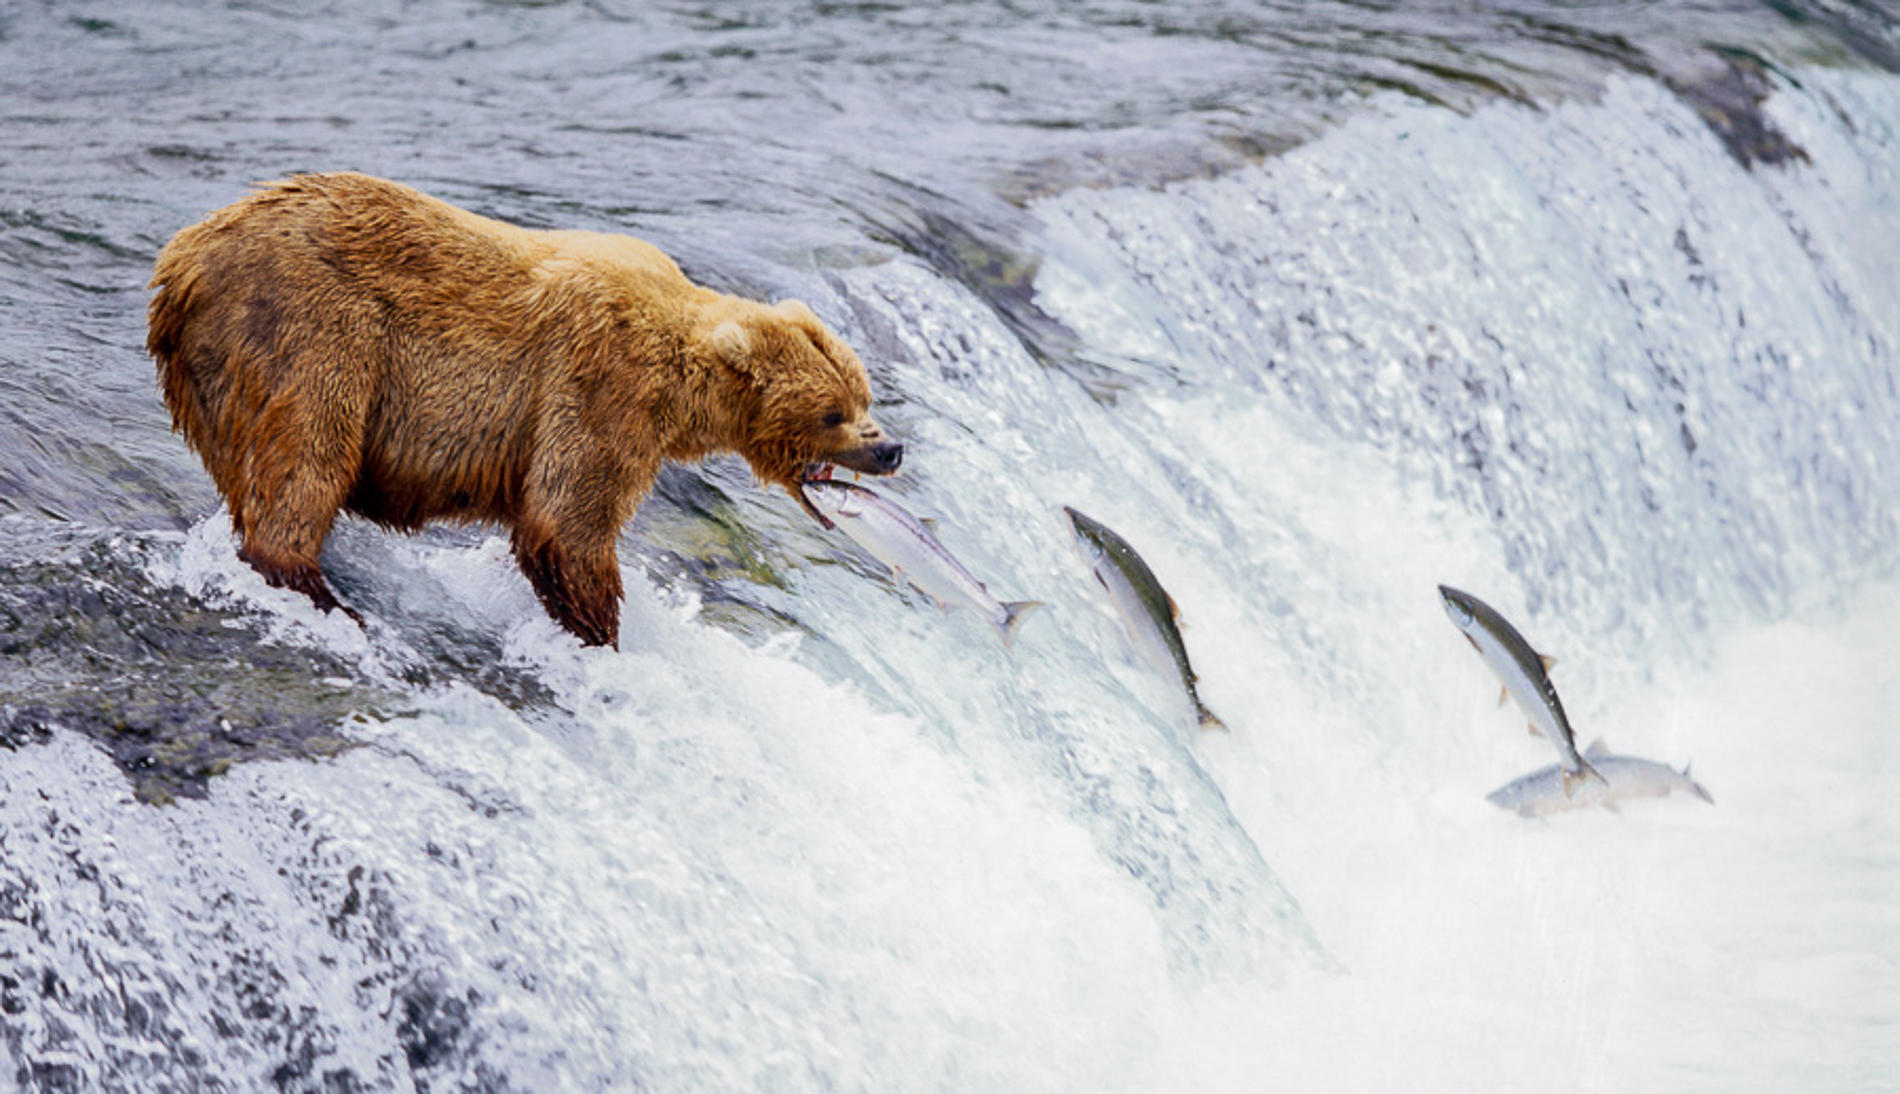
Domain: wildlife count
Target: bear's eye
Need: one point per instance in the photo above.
(833, 420)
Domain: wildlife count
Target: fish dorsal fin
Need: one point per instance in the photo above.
(1549, 661)
(1174, 610)
(1597, 749)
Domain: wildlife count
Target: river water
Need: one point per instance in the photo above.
(1588, 309)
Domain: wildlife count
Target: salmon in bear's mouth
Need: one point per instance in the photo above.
(878, 459)
(814, 472)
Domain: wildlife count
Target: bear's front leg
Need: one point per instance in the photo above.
(579, 584)
(564, 538)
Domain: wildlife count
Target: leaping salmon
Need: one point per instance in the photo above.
(1145, 607)
(1624, 778)
(1522, 671)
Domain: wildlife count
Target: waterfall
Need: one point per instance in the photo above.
(1619, 371)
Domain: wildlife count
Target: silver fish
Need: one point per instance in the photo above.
(901, 541)
(1522, 671)
(1145, 607)
(1623, 778)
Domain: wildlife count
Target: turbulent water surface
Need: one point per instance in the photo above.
(1590, 310)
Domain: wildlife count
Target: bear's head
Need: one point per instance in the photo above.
(809, 404)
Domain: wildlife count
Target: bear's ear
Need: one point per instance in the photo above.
(797, 312)
(733, 343)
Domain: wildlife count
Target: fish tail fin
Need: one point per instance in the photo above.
(1583, 772)
(1014, 613)
(1207, 718)
(1699, 790)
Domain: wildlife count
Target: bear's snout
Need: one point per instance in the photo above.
(875, 457)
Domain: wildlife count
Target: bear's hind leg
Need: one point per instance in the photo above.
(306, 578)
(299, 472)
(286, 555)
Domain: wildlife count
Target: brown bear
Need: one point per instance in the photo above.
(336, 341)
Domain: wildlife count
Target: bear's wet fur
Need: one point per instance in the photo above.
(339, 342)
